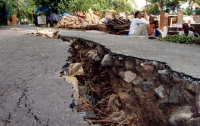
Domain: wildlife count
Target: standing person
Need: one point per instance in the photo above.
(53, 18)
(186, 30)
(5, 13)
(35, 21)
(138, 27)
(151, 26)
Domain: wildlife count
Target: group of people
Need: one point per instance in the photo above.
(51, 19)
(141, 26)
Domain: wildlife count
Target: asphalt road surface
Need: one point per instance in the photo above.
(31, 91)
(33, 94)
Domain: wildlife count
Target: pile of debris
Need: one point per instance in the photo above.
(118, 26)
(114, 89)
(89, 21)
(49, 33)
(70, 21)
(17, 29)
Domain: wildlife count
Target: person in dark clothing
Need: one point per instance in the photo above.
(53, 19)
(35, 21)
(5, 13)
(191, 28)
(157, 32)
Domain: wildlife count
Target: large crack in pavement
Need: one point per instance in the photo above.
(115, 89)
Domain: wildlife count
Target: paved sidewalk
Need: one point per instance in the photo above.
(31, 91)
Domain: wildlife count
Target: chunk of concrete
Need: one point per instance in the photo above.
(93, 55)
(193, 122)
(137, 81)
(147, 85)
(159, 91)
(197, 103)
(107, 60)
(129, 76)
(129, 64)
(148, 68)
(173, 96)
(180, 116)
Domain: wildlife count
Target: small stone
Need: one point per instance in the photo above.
(147, 85)
(100, 51)
(186, 98)
(173, 96)
(119, 62)
(121, 58)
(176, 78)
(164, 79)
(155, 63)
(195, 82)
(162, 71)
(137, 81)
(121, 73)
(159, 91)
(148, 68)
(193, 122)
(129, 76)
(76, 46)
(75, 69)
(93, 55)
(82, 114)
(129, 64)
(107, 60)
(197, 104)
(180, 116)
(193, 89)
(147, 72)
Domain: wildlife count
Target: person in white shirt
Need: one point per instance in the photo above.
(138, 27)
(186, 30)
(173, 11)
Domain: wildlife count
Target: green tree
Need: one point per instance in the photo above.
(197, 9)
(15, 7)
(187, 11)
(158, 6)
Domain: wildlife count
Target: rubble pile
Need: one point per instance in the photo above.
(87, 21)
(48, 33)
(114, 89)
(75, 22)
(70, 21)
(118, 26)
(17, 29)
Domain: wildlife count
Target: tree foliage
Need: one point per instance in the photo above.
(158, 6)
(24, 8)
(15, 7)
(96, 5)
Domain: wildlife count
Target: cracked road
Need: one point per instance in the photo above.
(31, 91)
(33, 94)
